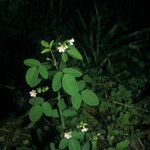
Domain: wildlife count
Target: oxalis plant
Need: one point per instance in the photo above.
(69, 95)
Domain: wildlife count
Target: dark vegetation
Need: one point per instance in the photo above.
(113, 36)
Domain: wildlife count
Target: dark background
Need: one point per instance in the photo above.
(23, 24)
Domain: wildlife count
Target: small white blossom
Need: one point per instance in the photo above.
(82, 125)
(71, 41)
(48, 59)
(84, 130)
(98, 134)
(33, 93)
(62, 48)
(68, 135)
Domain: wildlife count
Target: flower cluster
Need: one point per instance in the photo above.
(68, 135)
(95, 136)
(83, 127)
(63, 47)
(34, 93)
(42, 89)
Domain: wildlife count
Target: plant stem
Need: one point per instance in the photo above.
(130, 106)
(59, 109)
(5, 148)
(60, 113)
(54, 60)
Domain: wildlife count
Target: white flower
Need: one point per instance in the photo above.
(71, 41)
(33, 93)
(48, 59)
(84, 130)
(68, 135)
(82, 125)
(62, 48)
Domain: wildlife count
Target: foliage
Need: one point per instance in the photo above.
(83, 119)
(69, 91)
(92, 97)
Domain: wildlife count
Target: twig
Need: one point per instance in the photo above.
(130, 106)
(141, 143)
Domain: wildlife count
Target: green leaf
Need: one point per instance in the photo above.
(52, 146)
(62, 65)
(73, 52)
(64, 57)
(69, 84)
(89, 97)
(56, 83)
(124, 119)
(109, 139)
(86, 146)
(87, 78)
(116, 132)
(47, 65)
(52, 73)
(109, 66)
(46, 50)
(55, 113)
(35, 113)
(77, 135)
(43, 71)
(35, 82)
(63, 143)
(81, 85)
(62, 104)
(69, 112)
(36, 100)
(94, 145)
(76, 101)
(45, 44)
(32, 76)
(47, 109)
(32, 62)
(122, 145)
(72, 71)
(51, 44)
(74, 144)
